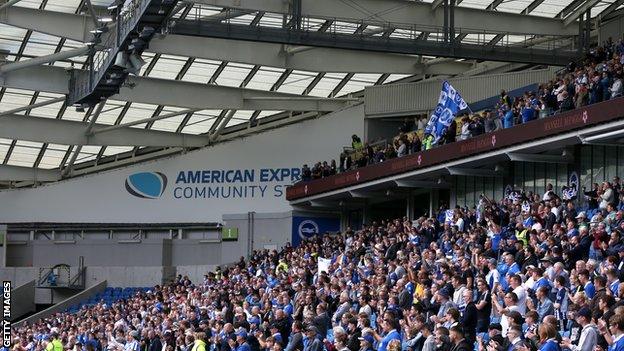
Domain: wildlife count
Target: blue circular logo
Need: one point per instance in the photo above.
(308, 229)
(146, 185)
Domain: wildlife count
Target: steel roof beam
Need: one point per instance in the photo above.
(37, 61)
(494, 5)
(383, 45)
(60, 24)
(406, 14)
(176, 93)
(397, 13)
(17, 173)
(532, 6)
(611, 8)
(66, 132)
(568, 9)
(580, 11)
(317, 60)
(9, 4)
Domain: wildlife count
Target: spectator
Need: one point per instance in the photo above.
(527, 112)
(459, 341)
(566, 103)
(401, 150)
(476, 127)
(465, 129)
(492, 122)
(313, 342)
(306, 173)
(393, 280)
(356, 142)
(505, 100)
(616, 87)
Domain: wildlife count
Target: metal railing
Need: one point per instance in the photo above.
(60, 276)
(57, 276)
(105, 52)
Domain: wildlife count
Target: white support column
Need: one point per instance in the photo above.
(430, 203)
(410, 206)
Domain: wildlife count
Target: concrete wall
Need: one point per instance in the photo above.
(125, 276)
(190, 252)
(20, 254)
(149, 252)
(614, 29)
(103, 198)
(18, 275)
(268, 229)
(61, 306)
(99, 253)
(22, 300)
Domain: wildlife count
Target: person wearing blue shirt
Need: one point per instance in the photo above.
(550, 345)
(547, 334)
(616, 327)
(527, 112)
(588, 286)
(508, 119)
(389, 325)
(241, 341)
(512, 266)
(544, 305)
(541, 282)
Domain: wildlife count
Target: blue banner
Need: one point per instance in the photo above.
(307, 227)
(449, 104)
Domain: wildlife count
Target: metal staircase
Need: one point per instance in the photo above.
(116, 50)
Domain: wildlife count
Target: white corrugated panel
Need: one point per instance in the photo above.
(420, 97)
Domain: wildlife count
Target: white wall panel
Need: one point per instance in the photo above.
(103, 198)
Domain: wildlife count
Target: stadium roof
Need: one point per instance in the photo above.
(50, 145)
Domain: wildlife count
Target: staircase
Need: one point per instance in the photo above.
(116, 50)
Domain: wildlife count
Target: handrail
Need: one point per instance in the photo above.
(99, 60)
(44, 279)
(80, 275)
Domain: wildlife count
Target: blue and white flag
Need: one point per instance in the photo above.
(449, 215)
(449, 104)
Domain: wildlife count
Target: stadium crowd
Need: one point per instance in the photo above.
(598, 77)
(527, 272)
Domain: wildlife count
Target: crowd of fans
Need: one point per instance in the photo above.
(596, 78)
(527, 272)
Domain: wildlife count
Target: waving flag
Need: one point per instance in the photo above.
(449, 104)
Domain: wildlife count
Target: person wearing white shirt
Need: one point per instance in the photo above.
(493, 276)
(520, 291)
(589, 334)
(132, 341)
(511, 304)
(458, 294)
(548, 194)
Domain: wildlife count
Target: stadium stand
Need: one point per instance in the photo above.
(529, 264)
(596, 78)
(523, 252)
